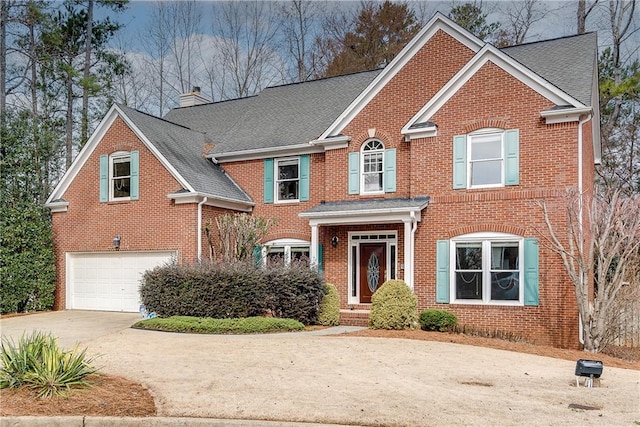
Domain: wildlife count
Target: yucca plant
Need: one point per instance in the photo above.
(38, 363)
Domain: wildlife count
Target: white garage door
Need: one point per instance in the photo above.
(109, 281)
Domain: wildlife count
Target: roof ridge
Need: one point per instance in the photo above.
(323, 78)
(549, 40)
(159, 118)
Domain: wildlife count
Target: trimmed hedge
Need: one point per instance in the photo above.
(394, 306)
(225, 291)
(330, 306)
(437, 320)
(196, 325)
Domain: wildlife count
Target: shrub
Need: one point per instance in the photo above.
(437, 320)
(38, 363)
(330, 307)
(233, 290)
(197, 325)
(394, 306)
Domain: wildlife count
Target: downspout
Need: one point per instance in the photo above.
(414, 227)
(580, 188)
(199, 231)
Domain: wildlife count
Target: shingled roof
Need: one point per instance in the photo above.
(567, 63)
(278, 116)
(182, 147)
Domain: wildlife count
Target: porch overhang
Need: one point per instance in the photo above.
(406, 211)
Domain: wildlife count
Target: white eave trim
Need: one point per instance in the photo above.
(94, 141)
(263, 153)
(491, 54)
(564, 115)
(374, 216)
(425, 132)
(59, 206)
(332, 142)
(211, 200)
(438, 22)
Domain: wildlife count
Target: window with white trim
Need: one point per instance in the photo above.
(372, 167)
(487, 269)
(486, 159)
(285, 251)
(120, 176)
(287, 172)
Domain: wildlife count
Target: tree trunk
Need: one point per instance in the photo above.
(86, 85)
(4, 14)
(69, 119)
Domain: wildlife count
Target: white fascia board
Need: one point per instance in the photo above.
(83, 155)
(183, 182)
(564, 115)
(332, 143)
(438, 22)
(491, 54)
(263, 153)
(427, 132)
(216, 201)
(378, 216)
(60, 206)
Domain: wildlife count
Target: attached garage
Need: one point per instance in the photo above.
(109, 281)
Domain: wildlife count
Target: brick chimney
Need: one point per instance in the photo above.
(193, 98)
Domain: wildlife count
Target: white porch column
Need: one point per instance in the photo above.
(408, 254)
(313, 250)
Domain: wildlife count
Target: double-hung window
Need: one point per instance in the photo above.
(285, 251)
(373, 167)
(119, 176)
(486, 158)
(487, 268)
(287, 179)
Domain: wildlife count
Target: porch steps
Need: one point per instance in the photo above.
(354, 317)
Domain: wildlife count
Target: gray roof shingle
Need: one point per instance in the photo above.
(182, 147)
(279, 116)
(567, 63)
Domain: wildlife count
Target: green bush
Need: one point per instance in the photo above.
(38, 363)
(394, 306)
(233, 290)
(27, 261)
(197, 325)
(437, 320)
(330, 306)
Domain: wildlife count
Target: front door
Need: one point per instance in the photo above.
(373, 262)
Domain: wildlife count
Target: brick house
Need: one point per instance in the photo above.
(425, 171)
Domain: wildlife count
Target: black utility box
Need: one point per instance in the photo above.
(588, 368)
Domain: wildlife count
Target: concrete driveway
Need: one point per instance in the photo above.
(302, 377)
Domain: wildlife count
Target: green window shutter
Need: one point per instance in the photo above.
(104, 178)
(531, 271)
(320, 259)
(460, 161)
(257, 255)
(354, 173)
(304, 178)
(268, 180)
(442, 271)
(390, 170)
(135, 175)
(511, 157)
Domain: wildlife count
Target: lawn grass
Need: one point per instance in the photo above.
(207, 325)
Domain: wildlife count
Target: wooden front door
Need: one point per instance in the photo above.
(373, 265)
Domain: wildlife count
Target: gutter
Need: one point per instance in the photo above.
(580, 212)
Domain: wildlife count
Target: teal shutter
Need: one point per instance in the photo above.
(304, 178)
(354, 173)
(390, 170)
(268, 180)
(442, 271)
(104, 178)
(135, 175)
(511, 157)
(320, 259)
(531, 271)
(257, 255)
(460, 161)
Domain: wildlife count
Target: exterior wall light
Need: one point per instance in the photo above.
(334, 241)
(116, 242)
